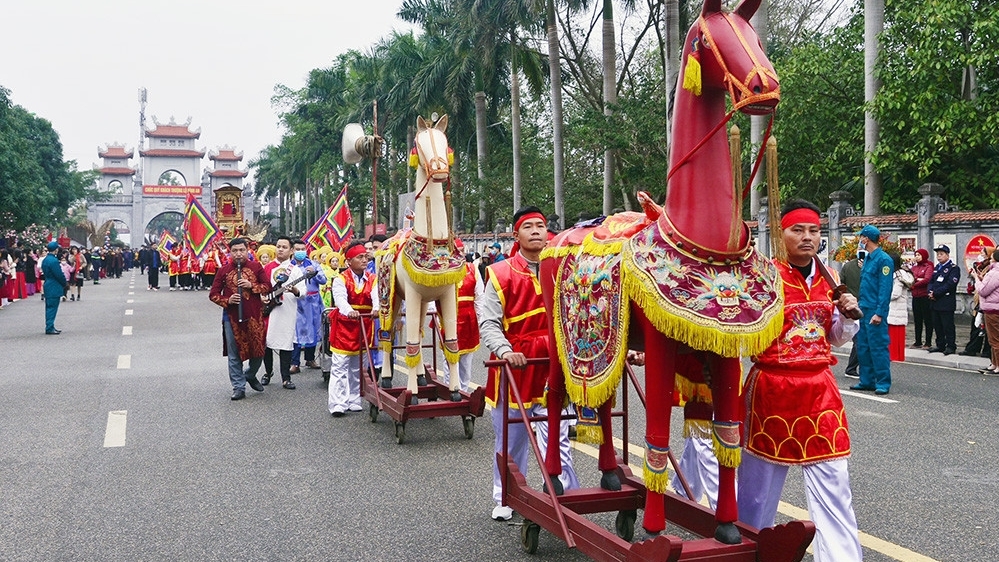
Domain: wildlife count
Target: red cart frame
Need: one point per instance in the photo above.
(563, 515)
(432, 400)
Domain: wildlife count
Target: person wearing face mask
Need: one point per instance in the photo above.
(308, 325)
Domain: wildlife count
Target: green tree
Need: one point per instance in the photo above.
(36, 185)
(935, 127)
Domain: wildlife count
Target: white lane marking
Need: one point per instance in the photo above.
(868, 396)
(124, 361)
(126, 330)
(131, 292)
(129, 301)
(114, 435)
(128, 312)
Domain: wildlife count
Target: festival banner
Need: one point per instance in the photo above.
(318, 235)
(166, 244)
(341, 225)
(199, 228)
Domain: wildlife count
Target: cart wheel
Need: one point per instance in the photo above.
(326, 377)
(400, 432)
(529, 536)
(625, 524)
(373, 413)
(421, 380)
(469, 424)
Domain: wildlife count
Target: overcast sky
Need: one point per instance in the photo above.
(80, 64)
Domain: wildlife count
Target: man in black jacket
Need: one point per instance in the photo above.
(850, 275)
(943, 299)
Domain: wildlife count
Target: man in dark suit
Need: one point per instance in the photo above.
(850, 275)
(943, 298)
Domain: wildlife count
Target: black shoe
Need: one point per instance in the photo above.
(862, 387)
(967, 354)
(934, 350)
(949, 351)
(880, 392)
(266, 380)
(53, 332)
(288, 385)
(238, 395)
(254, 384)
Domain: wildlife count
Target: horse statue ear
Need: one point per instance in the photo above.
(421, 124)
(441, 124)
(747, 8)
(710, 7)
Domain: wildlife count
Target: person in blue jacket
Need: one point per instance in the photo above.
(55, 287)
(943, 300)
(875, 293)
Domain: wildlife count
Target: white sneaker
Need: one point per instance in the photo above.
(355, 408)
(502, 513)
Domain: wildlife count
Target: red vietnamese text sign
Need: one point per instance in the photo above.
(172, 190)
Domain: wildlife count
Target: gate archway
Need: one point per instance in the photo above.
(170, 221)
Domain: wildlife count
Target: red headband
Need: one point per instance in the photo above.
(354, 252)
(799, 216)
(527, 217)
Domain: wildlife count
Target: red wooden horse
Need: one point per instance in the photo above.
(685, 275)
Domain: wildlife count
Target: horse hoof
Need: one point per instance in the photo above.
(421, 380)
(386, 383)
(455, 396)
(727, 533)
(557, 484)
(610, 481)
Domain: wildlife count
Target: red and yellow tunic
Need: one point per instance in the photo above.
(174, 266)
(210, 266)
(185, 263)
(795, 414)
(345, 333)
(525, 325)
(468, 322)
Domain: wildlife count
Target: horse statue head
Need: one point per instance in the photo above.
(722, 56)
(432, 150)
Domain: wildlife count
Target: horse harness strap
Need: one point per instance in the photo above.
(730, 79)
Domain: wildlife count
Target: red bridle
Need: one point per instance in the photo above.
(732, 84)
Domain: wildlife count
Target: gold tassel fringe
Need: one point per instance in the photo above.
(752, 340)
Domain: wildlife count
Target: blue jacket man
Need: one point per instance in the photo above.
(943, 300)
(875, 293)
(55, 287)
(308, 324)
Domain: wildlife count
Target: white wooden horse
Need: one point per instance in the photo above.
(422, 265)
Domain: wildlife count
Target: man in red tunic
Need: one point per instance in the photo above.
(795, 414)
(468, 323)
(514, 326)
(352, 292)
(237, 289)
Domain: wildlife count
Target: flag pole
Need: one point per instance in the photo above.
(374, 175)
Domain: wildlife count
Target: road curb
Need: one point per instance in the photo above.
(922, 357)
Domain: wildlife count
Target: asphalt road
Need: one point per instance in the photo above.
(274, 477)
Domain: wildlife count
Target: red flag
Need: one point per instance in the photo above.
(341, 225)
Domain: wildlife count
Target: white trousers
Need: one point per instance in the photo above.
(464, 372)
(345, 383)
(830, 504)
(700, 468)
(519, 447)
